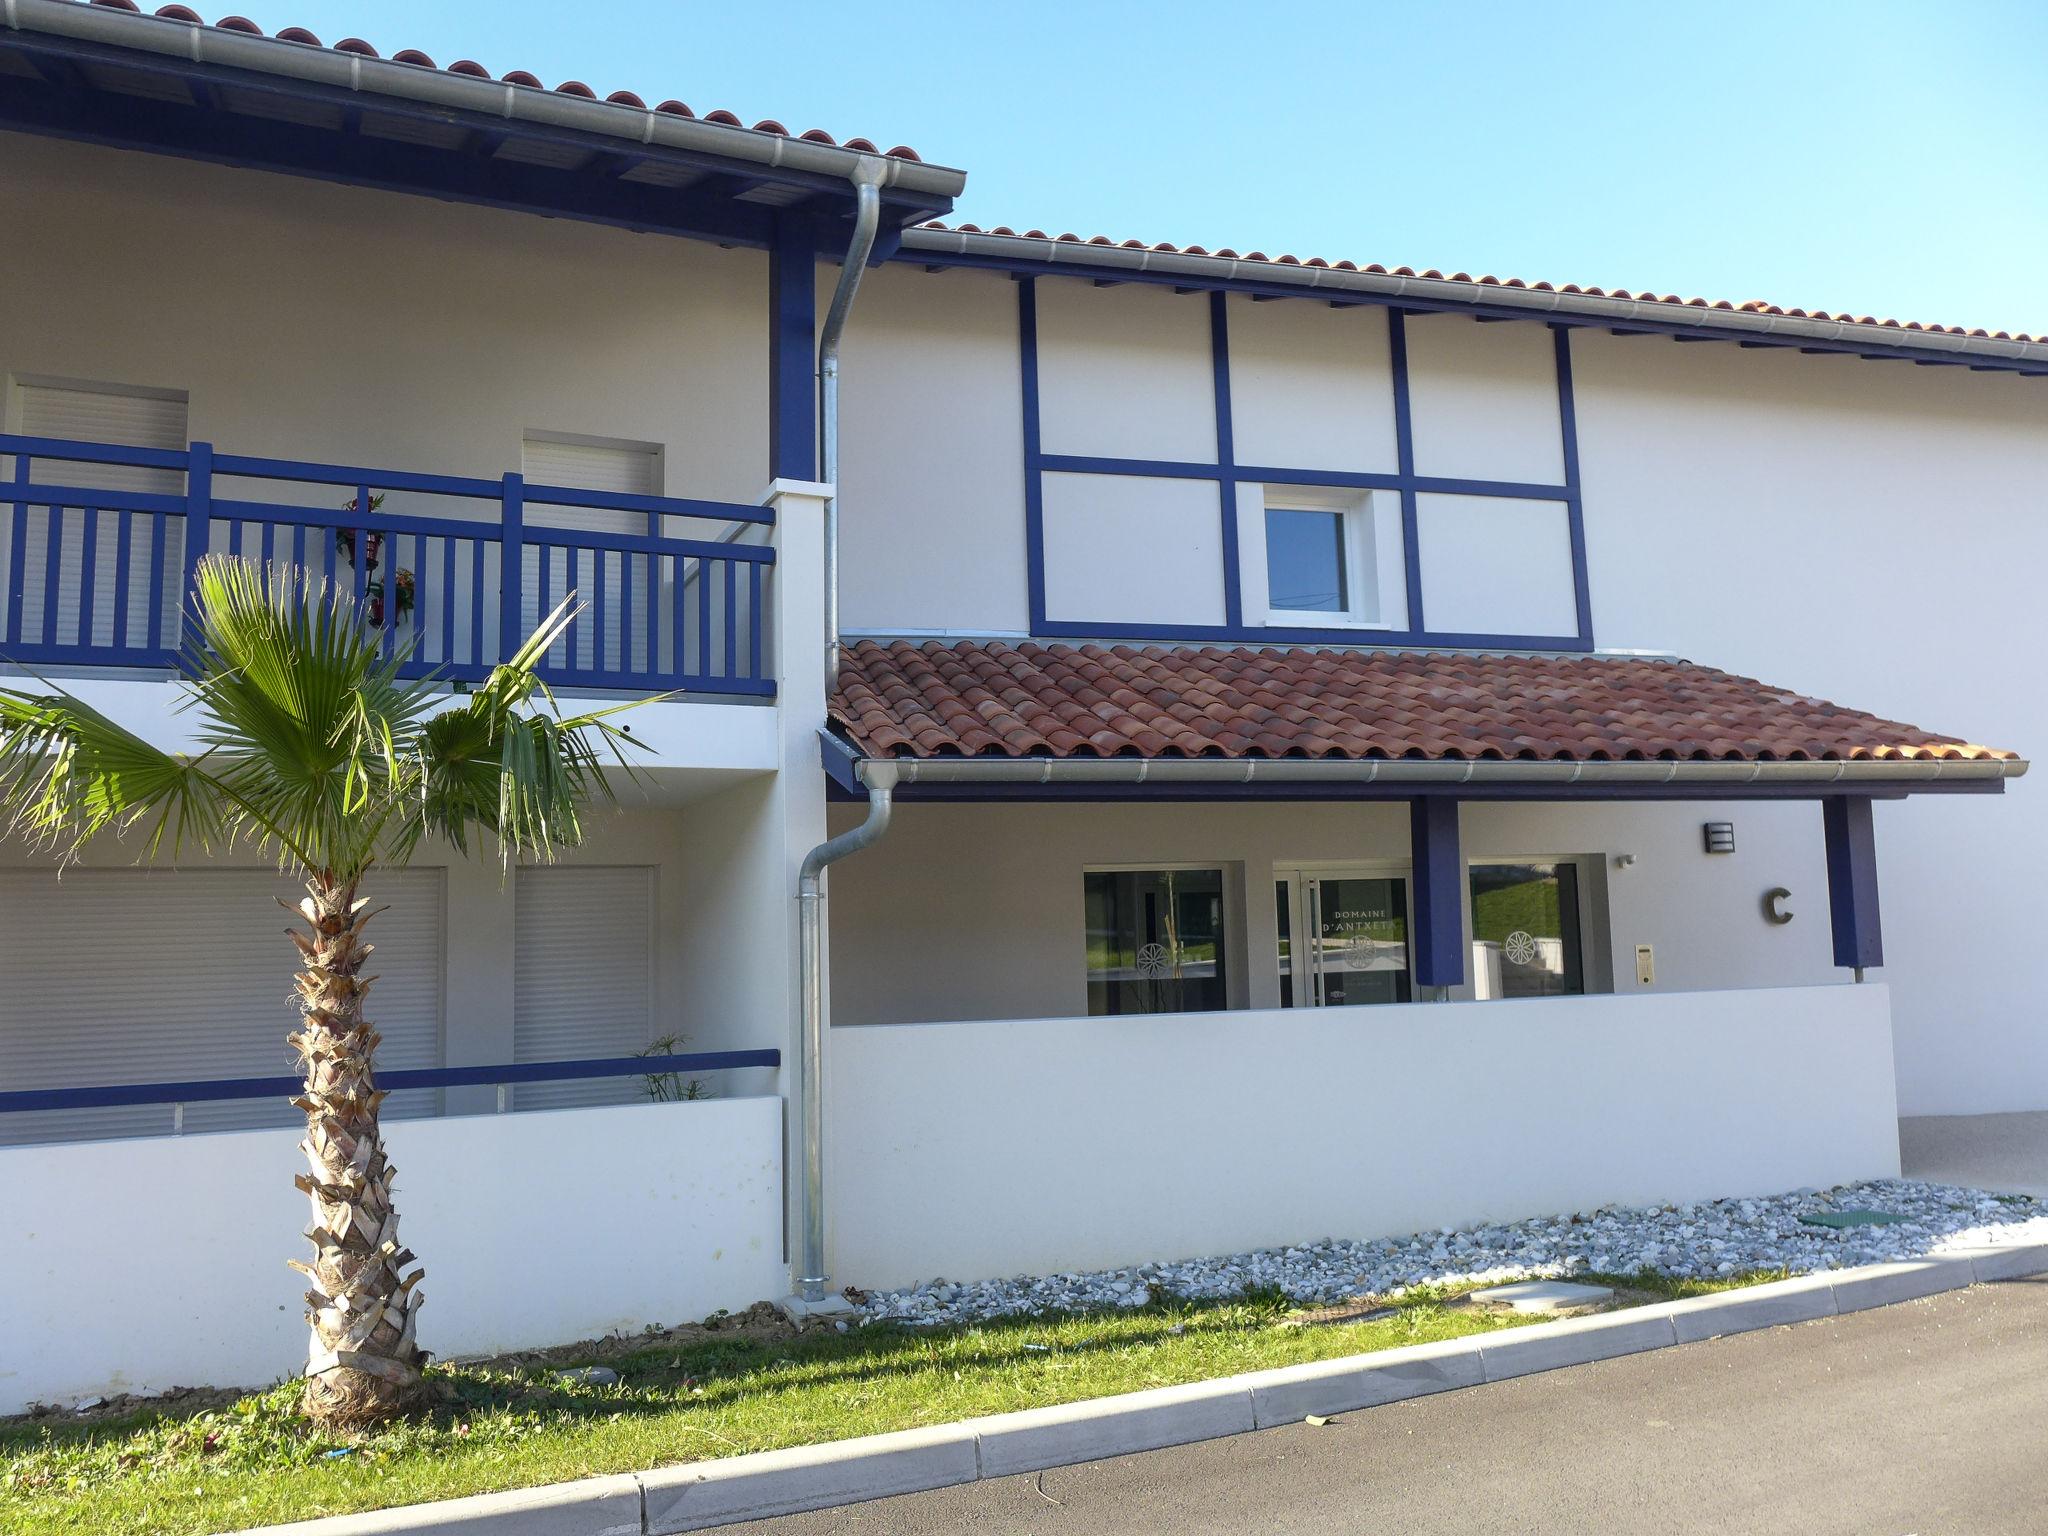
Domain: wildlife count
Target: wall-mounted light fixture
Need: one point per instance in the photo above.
(1720, 836)
(1624, 860)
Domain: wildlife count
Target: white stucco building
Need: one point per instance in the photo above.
(1312, 700)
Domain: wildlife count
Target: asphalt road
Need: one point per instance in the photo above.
(1928, 1417)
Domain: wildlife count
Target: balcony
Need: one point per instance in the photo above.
(98, 544)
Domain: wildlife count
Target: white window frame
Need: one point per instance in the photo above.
(1299, 874)
(1375, 580)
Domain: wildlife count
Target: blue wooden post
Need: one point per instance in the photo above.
(198, 519)
(1439, 891)
(792, 362)
(511, 565)
(1852, 882)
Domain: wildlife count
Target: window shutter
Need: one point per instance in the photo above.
(584, 976)
(591, 464)
(133, 976)
(127, 420)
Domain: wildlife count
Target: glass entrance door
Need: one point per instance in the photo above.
(1355, 939)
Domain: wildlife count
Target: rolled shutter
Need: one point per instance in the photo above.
(632, 469)
(126, 420)
(584, 977)
(131, 976)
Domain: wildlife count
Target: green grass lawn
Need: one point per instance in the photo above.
(254, 1463)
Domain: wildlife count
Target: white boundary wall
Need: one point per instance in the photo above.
(1032, 1146)
(133, 1266)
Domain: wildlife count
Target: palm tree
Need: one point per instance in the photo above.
(318, 753)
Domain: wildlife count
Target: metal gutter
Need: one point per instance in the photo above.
(1859, 773)
(1538, 302)
(411, 82)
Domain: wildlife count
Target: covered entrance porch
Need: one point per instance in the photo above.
(1149, 998)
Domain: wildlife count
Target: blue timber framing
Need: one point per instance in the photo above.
(1247, 282)
(1227, 475)
(1438, 866)
(1852, 882)
(61, 100)
(792, 369)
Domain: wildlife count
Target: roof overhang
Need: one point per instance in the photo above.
(1107, 262)
(167, 86)
(851, 775)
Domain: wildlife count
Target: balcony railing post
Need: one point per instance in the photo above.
(511, 566)
(17, 567)
(198, 520)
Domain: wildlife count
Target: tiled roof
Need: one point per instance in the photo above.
(1488, 280)
(518, 77)
(995, 699)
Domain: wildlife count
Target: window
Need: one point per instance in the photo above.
(1155, 941)
(1525, 930)
(107, 413)
(127, 417)
(1331, 558)
(582, 976)
(592, 464)
(1305, 564)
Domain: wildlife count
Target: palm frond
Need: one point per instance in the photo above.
(520, 773)
(68, 773)
(291, 686)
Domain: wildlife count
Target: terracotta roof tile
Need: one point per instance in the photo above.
(1028, 700)
(469, 67)
(1594, 290)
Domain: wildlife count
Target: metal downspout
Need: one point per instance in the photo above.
(881, 783)
(867, 179)
(867, 218)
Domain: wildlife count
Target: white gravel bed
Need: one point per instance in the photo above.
(1713, 1238)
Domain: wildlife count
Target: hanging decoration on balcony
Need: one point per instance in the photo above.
(373, 549)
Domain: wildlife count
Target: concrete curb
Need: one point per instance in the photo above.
(699, 1495)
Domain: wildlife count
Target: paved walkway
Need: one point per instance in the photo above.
(2004, 1153)
(1925, 1417)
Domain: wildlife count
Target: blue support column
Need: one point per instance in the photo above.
(792, 355)
(1439, 945)
(1852, 882)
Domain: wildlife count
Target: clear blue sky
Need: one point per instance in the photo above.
(1880, 157)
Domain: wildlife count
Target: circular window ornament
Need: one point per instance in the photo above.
(1152, 961)
(1519, 947)
(1363, 954)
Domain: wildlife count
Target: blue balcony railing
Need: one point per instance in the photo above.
(407, 1083)
(98, 544)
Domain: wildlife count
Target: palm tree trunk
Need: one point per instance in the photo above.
(364, 1366)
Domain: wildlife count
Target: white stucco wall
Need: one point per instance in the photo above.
(1311, 387)
(931, 453)
(1028, 1146)
(1872, 533)
(315, 321)
(1125, 373)
(1485, 400)
(975, 911)
(1133, 550)
(657, 1213)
